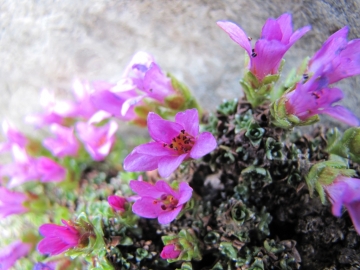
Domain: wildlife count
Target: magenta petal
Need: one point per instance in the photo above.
(284, 21)
(169, 252)
(337, 192)
(154, 149)
(189, 119)
(145, 207)
(271, 30)
(165, 187)
(136, 162)
(354, 212)
(298, 34)
(185, 192)
(52, 246)
(168, 216)
(50, 229)
(342, 114)
(236, 34)
(143, 188)
(162, 130)
(169, 164)
(205, 143)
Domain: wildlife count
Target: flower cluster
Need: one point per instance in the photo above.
(74, 173)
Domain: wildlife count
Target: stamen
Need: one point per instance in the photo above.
(163, 207)
(254, 54)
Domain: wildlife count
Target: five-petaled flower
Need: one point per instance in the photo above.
(173, 143)
(276, 38)
(58, 238)
(345, 191)
(160, 200)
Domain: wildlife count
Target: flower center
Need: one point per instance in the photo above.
(168, 202)
(182, 143)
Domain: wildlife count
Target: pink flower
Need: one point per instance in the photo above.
(13, 137)
(148, 77)
(11, 203)
(315, 97)
(98, 141)
(55, 111)
(118, 100)
(276, 38)
(13, 252)
(23, 168)
(170, 252)
(173, 143)
(345, 191)
(49, 170)
(65, 143)
(58, 238)
(160, 200)
(117, 203)
(337, 58)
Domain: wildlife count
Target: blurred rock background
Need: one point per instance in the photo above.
(48, 43)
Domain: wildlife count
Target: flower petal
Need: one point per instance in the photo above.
(342, 114)
(154, 149)
(145, 207)
(143, 188)
(136, 162)
(162, 130)
(189, 119)
(203, 145)
(169, 164)
(168, 216)
(185, 193)
(236, 34)
(337, 192)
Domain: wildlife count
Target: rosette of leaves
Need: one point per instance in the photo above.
(256, 177)
(274, 149)
(187, 242)
(242, 121)
(255, 133)
(228, 107)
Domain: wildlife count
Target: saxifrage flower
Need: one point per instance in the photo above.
(11, 253)
(277, 37)
(65, 143)
(58, 238)
(97, 140)
(160, 200)
(315, 97)
(11, 202)
(173, 143)
(345, 191)
(337, 58)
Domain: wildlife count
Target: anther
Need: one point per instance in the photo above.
(163, 207)
(305, 76)
(249, 38)
(171, 145)
(178, 137)
(183, 131)
(254, 54)
(174, 140)
(165, 144)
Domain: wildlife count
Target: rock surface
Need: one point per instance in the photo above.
(49, 43)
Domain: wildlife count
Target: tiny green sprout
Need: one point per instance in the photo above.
(274, 149)
(228, 250)
(228, 107)
(242, 121)
(240, 213)
(255, 134)
(211, 238)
